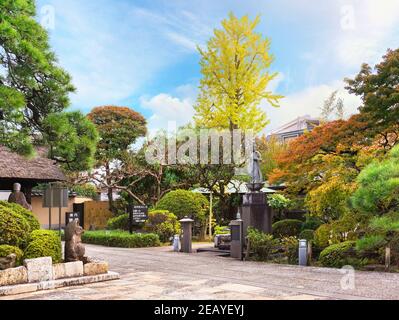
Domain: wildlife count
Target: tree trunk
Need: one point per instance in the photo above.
(110, 190)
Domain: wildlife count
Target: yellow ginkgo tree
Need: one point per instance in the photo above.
(235, 69)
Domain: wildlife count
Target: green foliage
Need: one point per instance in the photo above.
(385, 224)
(339, 255)
(261, 244)
(278, 201)
(44, 243)
(86, 190)
(311, 223)
(32, 85)
(163, 223)
(307, 234)
(379, 89)
(370, 244)
(72, 139)
(291, 248)
(14, 228)
(6, 250)
(322, 236)
(287, 228)
(221, 230)
(378, 186)
(29, 216)
(184, 203)
(119, 223)
(121, 239)
(329, 200)
(119, 127)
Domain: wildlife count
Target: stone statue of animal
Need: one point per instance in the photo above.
(74, 248)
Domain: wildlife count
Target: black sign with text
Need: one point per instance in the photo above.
(137, 215)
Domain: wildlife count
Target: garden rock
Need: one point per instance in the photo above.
(13, 276)
(8, 262)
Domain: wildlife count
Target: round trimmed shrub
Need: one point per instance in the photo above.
(14, 228)
(6, 250)
(311, 223)
(163, 223)
(44, 243)
(287, 228)
(119, 223)
(181, 203)
(307, 234)
(29, 216)
(339, 255)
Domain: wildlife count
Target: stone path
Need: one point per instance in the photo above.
(158, 273)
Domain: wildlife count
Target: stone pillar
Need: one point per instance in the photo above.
(187, 226)
(237, 239)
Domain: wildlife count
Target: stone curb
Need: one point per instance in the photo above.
(54, 284)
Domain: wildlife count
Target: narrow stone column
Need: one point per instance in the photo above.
(187, 226)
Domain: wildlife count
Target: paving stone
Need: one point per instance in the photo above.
(39, 269)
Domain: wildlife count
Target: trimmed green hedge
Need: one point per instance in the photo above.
(119, 223)
(30, 218)
(14, 228)
(123, 239)
(6, 250)
(163, 223)
(287, 228)
(44, 243)
(339, 255)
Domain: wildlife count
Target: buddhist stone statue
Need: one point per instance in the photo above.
(74, 248)
(254, 167)
(17, 196)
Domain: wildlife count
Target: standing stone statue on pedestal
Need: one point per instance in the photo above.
(255, 211)
(17, 196)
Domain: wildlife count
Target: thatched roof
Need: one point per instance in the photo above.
(15, 166)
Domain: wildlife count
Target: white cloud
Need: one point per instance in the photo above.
(308, 102)
(167, 110)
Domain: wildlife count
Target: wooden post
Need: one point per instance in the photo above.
(248, 248)
(387, 258)
(309, 252)
(210, 215)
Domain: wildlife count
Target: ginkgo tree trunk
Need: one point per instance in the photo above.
(235, 69)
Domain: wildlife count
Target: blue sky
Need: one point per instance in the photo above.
(142, 54)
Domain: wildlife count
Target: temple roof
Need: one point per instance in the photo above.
(39, 168)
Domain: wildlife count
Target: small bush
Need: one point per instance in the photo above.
(121, 239)
(322, 236)
(119, 223)
(221, 230)
(6, 250)
(14, 228)
(261, 245)
(307, 234)
(339, 255)
(44, 243)
(291, 248)
(181, 203)
(163, 223)
(29, 216)
(287, 228)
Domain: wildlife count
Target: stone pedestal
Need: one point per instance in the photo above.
(237, 240)
(255, 212)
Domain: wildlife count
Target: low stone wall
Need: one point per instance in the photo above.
(42, 274)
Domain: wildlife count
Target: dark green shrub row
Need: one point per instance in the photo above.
(341, 254)
(121, 239)
(44, 243)
(6, 250)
